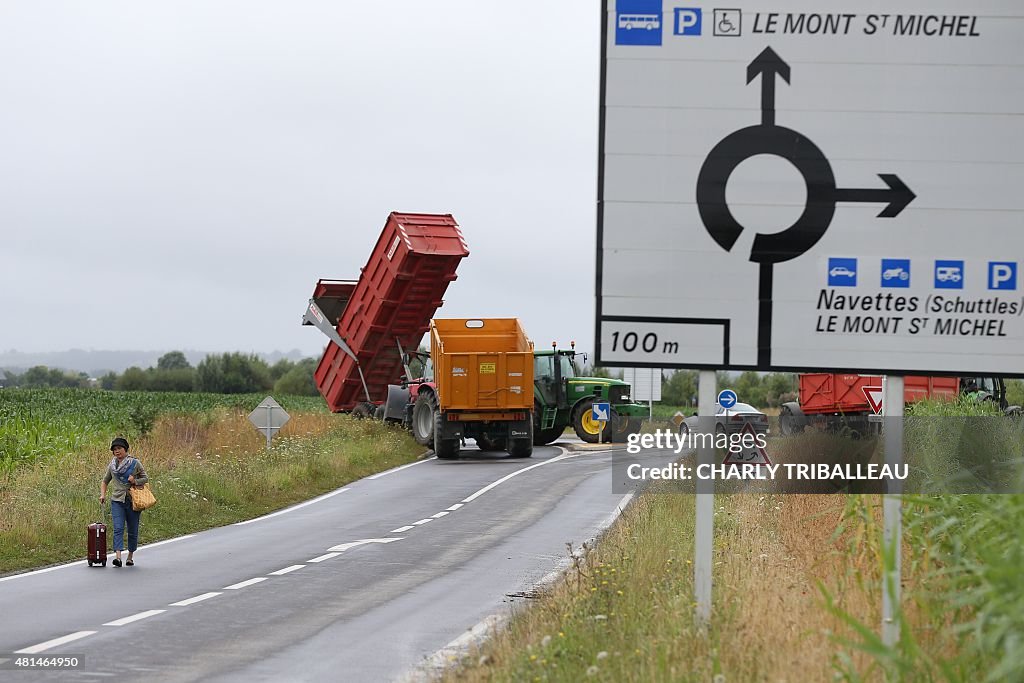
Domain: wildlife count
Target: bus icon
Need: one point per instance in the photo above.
(648, 22)
(638, 22)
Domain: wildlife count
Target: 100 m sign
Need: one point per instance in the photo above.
(637, 341)
(631, 341)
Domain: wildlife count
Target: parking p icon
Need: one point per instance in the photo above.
(1002, 275)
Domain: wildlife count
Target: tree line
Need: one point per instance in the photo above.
(227, 373)
(761, 391)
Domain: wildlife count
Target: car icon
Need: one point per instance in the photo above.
(895, 274)
(841, 271)
(947, 274)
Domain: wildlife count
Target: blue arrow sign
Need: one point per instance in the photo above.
(727, 398)
(602, 412)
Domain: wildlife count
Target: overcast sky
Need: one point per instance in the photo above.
(179, 174)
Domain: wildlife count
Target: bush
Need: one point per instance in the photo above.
(299, 380)
(232, 373)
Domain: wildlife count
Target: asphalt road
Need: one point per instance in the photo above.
(362, 584)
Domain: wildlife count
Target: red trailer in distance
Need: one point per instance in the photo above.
(835, 394)
(836, 401)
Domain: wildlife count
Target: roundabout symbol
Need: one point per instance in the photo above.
(822, 193)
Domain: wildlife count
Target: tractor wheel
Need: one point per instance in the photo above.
(444, 449)
(379, 413)
(364, 410)
(586, 427)
(542, 437)
(423, 418)
(486, 443)
(623, 426)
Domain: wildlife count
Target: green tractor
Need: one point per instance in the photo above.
(562, 398)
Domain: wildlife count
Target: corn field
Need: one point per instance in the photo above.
(40, 424)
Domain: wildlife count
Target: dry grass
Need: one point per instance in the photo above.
(773, 555)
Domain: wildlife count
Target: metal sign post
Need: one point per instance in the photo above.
(702, 547)
(269, 417)
(601, 413)
(892, 511)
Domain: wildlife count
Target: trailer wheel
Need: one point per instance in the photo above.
(364, 410)
(522, 447)
(789, 422)
(423, 418)
(444, 449)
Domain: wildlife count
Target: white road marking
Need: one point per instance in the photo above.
(294, 507)
(401, 529)
(422, 521)
(243, 584)
(564, 456)
(192, 601)
(400, 468)
(135, 617)
(79, 562)
(439, 515)
(342, 547)
(452, 508)
(287, 570)
(35, 649)
(321, 558)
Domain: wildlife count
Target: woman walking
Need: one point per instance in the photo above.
(124, 471)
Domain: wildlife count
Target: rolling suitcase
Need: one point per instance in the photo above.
(97, 542)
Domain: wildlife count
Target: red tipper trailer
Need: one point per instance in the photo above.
(398, 291)
(827, 393)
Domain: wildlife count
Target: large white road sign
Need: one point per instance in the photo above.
(806, 185)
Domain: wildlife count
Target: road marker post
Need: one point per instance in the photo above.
(892, 510)
(705, 524)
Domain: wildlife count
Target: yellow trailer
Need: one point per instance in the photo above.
(483, 371)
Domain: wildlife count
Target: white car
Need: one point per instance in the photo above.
(947, 274)
(895, 273)
(841, 271)
(729, 421)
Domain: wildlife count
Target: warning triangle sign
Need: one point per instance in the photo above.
(751, 454)
(874, 397)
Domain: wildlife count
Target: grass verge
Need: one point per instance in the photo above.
(797, 592)
(625, 613)
(205, 470)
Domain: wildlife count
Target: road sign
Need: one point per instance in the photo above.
(269, 417)
(874, 398)
(645, 383)
(749, 453)
(727, 398)
(602, 412)
(787, 205)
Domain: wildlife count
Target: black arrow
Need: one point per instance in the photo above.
(768, 65)
(896, 197)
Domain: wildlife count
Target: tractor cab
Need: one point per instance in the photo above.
(551, 369)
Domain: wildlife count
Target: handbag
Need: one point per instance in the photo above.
(142, 498)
